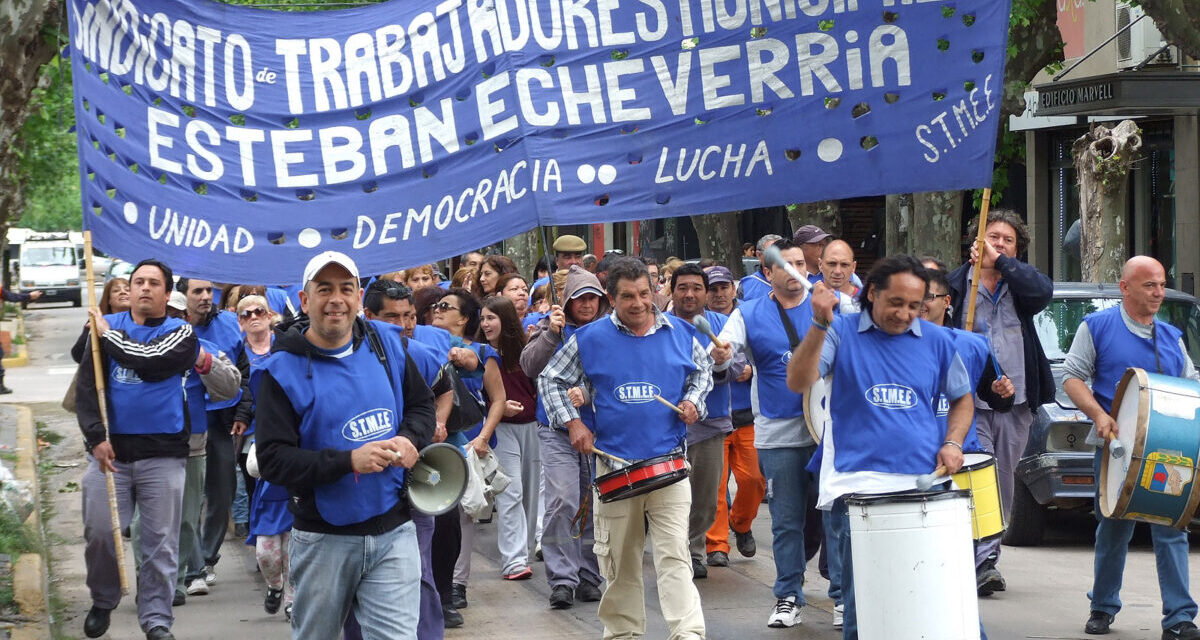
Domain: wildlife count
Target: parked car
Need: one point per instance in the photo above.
(1056, 470)
(118, 269)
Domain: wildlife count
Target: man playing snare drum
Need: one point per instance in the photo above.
(624, 361)
(1106, 344)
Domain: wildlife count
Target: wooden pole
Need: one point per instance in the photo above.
(98, 370)
(978, 266)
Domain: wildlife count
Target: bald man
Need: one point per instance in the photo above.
(837, 271)
(1109, 341)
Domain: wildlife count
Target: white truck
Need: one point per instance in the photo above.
(50, 262)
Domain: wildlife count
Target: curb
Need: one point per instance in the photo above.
(20, 355)
(31, 587)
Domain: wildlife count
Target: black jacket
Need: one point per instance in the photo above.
(282, 461)
(1031, 291)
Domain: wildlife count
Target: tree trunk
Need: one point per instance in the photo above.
(719, 239)
(1102, 158)
(936, 228)
(898, 223)
(1178, 21)
(524, 250)
(826, 214)
(24, 48)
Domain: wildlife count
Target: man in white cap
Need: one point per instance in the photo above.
(342, 413)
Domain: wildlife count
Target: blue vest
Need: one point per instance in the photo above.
(435, 337)
(224, 332)
(140, 407)
(193, 394)
(269, 515)
(627, 372)
(718, 399)
(343, 404)
(473, 381)
(258, 364)
(753, 286)
(1117, 349)
(884, 391)
(587, 414)
(974, 351)
(768, 341)
(277, 300)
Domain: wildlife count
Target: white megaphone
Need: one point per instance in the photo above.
(437, 482)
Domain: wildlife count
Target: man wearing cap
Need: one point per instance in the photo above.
(738, 454)
(146, 356)
(812, 240)
(568, 250)
(342, 411)
(571, 567)
(758, 284)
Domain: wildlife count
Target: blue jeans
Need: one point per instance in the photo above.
(787, 499)
(379, 576)
(241, 501)
(1170, 556)
(833, 531)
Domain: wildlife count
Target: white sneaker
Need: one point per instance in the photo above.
(786, 613)
(210, 576)
(197, 587)
(838, 611)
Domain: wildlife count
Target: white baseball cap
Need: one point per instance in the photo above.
(177, 301)
(324, 259)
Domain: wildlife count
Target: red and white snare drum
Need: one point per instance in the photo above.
(641, 477)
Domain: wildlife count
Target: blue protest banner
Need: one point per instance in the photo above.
(235, 143)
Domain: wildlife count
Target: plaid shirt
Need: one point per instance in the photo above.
(565, 370)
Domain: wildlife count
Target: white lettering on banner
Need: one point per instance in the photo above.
(967, 115)
(697, 162)
(181, 230)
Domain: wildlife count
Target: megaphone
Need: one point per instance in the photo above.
(437, 482)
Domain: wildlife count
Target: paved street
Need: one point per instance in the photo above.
(1046, 597)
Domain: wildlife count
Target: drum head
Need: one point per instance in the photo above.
(977, 460)
(816, 408)
(1131, 409)
(905, 496)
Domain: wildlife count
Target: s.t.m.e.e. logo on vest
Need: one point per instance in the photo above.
(892, 396)
(126, 376)
(943, 406)
(636, 392)
(368, 425)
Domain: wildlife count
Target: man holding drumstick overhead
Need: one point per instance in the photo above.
(621, 360)
(1107, 343)
(888, 368)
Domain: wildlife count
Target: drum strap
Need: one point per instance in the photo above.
(793, 337)
(1154, 343)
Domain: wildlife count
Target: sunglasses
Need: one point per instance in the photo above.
(445, 306)
(253, 313)
(930, 297)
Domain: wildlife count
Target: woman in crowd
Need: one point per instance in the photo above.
(479, 367)
(466, 279)
(423, 301)
(114, 299)
(516, 440)
(514, 287)
(418, 277)
(489, 275)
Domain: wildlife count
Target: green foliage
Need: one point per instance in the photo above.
(49, 164)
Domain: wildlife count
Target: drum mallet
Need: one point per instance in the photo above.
(1116, 448)
(101, 376)
(668, 403)
(925, 482)
(774, 258)
(610, 456)
(704, 327)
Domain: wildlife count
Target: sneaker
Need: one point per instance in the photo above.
(988, 579)
(1099, 622)
(838, 615)
(587, 592)
(520, 573)
(1184, 630)
(699, 571)
(272, 601)
(197, 587)
(287, 612)
(210, 576)
(786, 613)
(537, 553)
(451, 618)
(745, 543)
(561, 597)
(718, 559)
(179, 600)
(458, 595)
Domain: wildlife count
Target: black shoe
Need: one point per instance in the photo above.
(1183, 631)
(699, 571)
(458, 595)
(273, 600)
(96, 622)
(1099, 622)
(180, 599)
(718, 559)
(561, 597)
(988, 579)
(745, 543)
(159, 633)
(125, 533)
(240, 530)
(451, 618)
(587, 592)
(4, 390)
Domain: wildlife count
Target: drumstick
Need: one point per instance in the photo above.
(610, 457)
(666, 402)
(774, 258)
(925, 482)
(704, 327)
(1115, 447)
(978, 267)
(100, 375)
